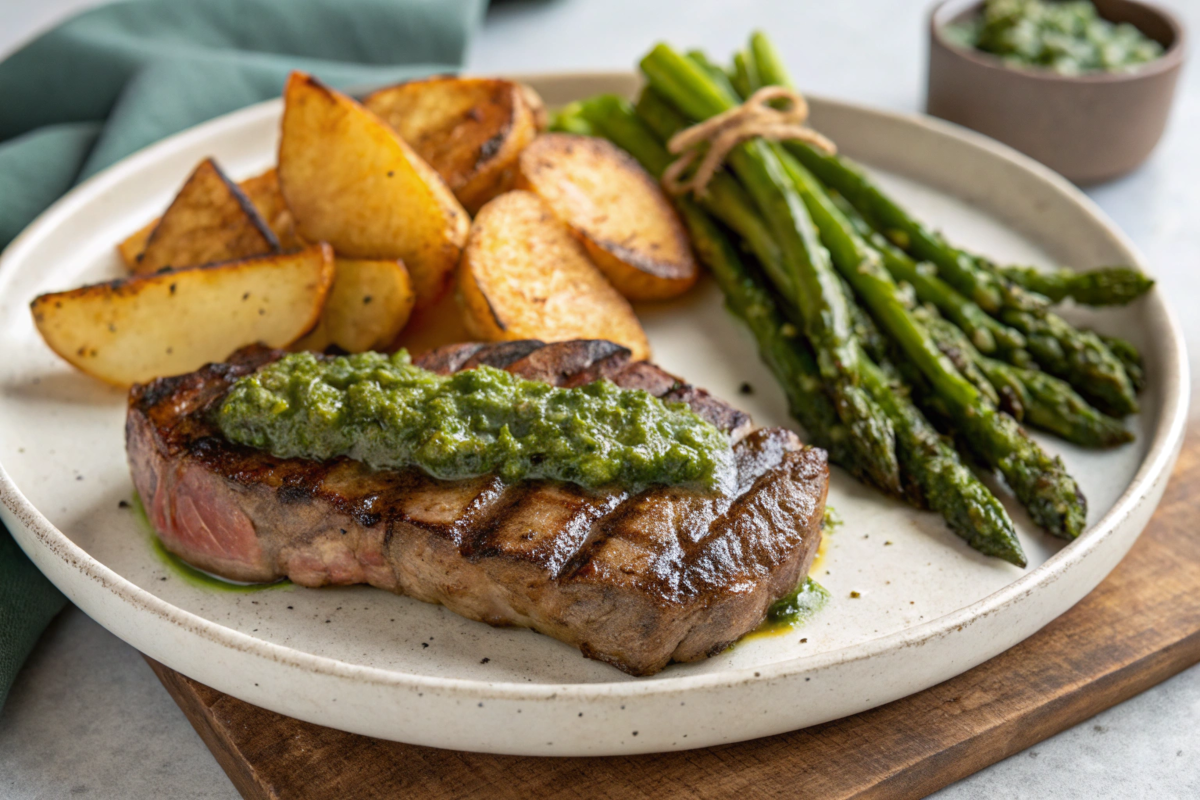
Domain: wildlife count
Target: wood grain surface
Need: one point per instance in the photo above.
(1139, 627)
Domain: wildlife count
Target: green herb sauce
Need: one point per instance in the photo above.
(1070, 38)
(792, 610)
(832, 519)
(799, 606)
(388, 413)
(189, 574)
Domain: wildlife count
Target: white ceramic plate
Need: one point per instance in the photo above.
(366, 661)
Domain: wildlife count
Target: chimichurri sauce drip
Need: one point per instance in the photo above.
(809, 598)
(1070, 38)
(388, 413)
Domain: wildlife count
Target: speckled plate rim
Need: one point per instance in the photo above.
(1147, 485)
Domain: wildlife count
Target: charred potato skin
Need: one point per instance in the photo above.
(524, 276)
(350, 180)
(133, 329)
(470, 130)
(261, 190)
(616, 209)
(210, 220)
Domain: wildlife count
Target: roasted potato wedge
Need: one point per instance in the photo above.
(524, 276)
(261, 190)
(138, 328)
(210, 220)
(541, 118)
(617, 210)
(134, 245)
(350, 180)
(439, 324)
(367, 306)
(470, 130)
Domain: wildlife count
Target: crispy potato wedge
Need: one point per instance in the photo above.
(541, 118)
(138, 328)
(261, 190)
(470, 130)
(617, 210)
(210, 220)
(350, 180)
(368, 305)
(132, 248)
(524, 276)
(439, 324)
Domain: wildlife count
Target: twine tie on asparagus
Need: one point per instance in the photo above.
(756, 117)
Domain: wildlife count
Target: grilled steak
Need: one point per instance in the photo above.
(632, 580)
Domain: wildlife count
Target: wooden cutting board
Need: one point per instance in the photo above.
(1139, 627)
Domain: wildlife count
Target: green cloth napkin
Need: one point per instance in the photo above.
(110, 81)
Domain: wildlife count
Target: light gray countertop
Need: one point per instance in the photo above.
(88, 718)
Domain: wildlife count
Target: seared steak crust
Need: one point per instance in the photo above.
(635, 581)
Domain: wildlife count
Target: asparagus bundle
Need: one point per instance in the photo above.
(832, 298)
(1040, 482)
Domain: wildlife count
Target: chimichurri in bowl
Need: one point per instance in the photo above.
(1083, 86)
(1065, 36)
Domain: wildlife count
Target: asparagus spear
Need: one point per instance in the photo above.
(872, 340)
(1045, 402)
(770, 68)
(746, 80)
(1130, 358)
(570, 119)
(1077, 356)
(1040, 482)
(945, 483)
(787, 357)
(1108, 286)
(986, 333)
(817, 292)
(717, 74)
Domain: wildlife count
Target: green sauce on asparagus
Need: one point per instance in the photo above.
(1070, 38)
(389, 413)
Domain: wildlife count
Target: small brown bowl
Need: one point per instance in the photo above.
(1089, 128)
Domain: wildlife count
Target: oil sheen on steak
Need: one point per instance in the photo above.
(635, 581)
